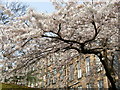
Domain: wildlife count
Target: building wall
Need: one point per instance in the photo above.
(64, 73)
(67, 75)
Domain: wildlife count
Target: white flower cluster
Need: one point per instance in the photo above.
(5, 10)
(71, 21)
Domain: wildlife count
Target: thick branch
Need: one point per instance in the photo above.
(64, 40)
(71, 47)
(96, 33)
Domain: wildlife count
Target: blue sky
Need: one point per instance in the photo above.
(42, 6)
(39, 5)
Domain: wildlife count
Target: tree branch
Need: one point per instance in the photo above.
(64, 40)
(71, 47)
(95, 35)
(26, 42)
(8, 54)
(59, 29)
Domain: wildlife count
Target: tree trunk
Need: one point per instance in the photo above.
(108, 72)
(105, 65)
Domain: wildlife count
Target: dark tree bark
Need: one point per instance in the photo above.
(108, 72)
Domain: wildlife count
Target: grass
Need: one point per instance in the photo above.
(4, 86)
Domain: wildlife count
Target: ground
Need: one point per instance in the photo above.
(4, 86)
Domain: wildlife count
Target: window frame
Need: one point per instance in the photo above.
(71, 72)
(79, 70)
(89, 86)
(100, 84)
(87, 60)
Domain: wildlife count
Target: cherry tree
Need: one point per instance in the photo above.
(8, 12)
(87, 28)
(13, 9)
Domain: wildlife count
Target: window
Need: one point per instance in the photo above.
(61, 73)
(44, 77)
(1, 56)
(98, 64)
(49, 63)
(71, 72)
(42, 84)
(116, 61)
(54, 77)
(48, 79)
(54, 80)
(79, 70)
(80, 87)
(71, 88)
(89, 86)
(100, 84)
(88, 66)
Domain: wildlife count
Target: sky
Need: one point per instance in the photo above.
(38, 5)
(42, 5)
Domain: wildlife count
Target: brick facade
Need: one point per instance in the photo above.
(84, 71)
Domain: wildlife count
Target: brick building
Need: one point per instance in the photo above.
(80, 71)
(83, 71)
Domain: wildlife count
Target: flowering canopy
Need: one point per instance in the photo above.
(78, 26)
